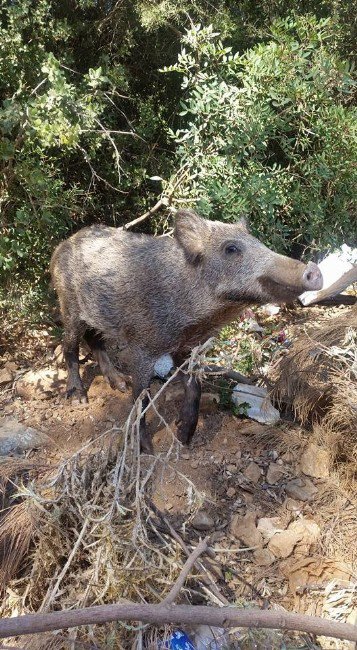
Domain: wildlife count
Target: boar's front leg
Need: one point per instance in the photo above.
(187, 421)
(75, 388)
(141, 376)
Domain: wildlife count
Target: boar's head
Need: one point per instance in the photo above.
(237, 266)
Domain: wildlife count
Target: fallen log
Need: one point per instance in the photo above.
(175, 614)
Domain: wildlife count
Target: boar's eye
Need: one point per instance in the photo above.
(230, 249)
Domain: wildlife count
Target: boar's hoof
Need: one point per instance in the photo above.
(146, 446)
(184, 439)
(116, 382)
(77, 394)
(185, 430)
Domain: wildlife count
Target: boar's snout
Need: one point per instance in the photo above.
(312, 277)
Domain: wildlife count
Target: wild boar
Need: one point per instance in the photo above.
(156, 295)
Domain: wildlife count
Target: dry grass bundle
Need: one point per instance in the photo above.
(318, 380)
(96, 538)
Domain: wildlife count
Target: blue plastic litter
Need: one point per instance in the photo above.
(179, 641)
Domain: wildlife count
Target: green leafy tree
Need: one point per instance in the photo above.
(271, 134)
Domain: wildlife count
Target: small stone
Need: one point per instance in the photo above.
(11, 366)
(6, 376)
(269, 526)
(244, 528)
(282, 544)
(288, 457)
(217, 536)
(301, 488)
(231, 492)
(263, 557)
(292, 505)
(58, 355)
(274, 474)
(315, 462)
(202, 521)
(252, 472)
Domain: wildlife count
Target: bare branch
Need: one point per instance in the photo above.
(147, 214)
(161, 614)
(175, 590)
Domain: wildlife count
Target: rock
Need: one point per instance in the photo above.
(16, 437)
(292, 505)
(263, 557)
(6, 376)
(282, 544)
(315, 462)
(244, 528)
(303, 531)
(58, 355)
(252, 472)
(301, 488)
(269, 526)
(231, 492)
(217, 536)
(202, 521)
(41, 384)
(307, 529)
(275, 473)
(288, 457)
(12, 367)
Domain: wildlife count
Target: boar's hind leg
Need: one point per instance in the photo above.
(187, 421)
(75, 386)
(97, 346)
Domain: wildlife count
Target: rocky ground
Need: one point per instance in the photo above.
(269, 496)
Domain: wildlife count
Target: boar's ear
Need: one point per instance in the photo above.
(243, 224)
(192, 233)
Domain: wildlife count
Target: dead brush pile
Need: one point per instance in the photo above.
(85, 533)
(317, 379)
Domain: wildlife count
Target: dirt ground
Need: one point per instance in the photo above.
(248, 475)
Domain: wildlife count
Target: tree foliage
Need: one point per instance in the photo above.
(266, 123)
(271, 133)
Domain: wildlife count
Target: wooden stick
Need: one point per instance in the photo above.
(144, 216)
(178, 615)
(201, 567)
(175, 590)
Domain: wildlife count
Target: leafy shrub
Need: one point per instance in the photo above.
(271, 134)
